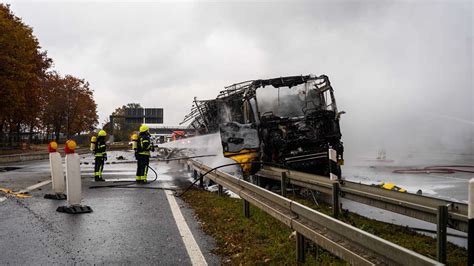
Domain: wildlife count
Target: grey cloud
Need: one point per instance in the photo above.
(401, 70)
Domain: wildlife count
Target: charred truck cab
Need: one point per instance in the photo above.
(289, 121)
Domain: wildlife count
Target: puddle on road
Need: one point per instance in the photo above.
(9, 168)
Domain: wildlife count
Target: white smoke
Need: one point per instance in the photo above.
(205, 145)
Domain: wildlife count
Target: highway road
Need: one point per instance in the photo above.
(151, 226)
(127, 225)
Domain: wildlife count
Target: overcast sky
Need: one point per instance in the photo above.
(401, 70)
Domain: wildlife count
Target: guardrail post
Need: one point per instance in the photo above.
(441, 233)
(220, 191)
(284, 179)
(201, 181)
(300, 248)
(333, 175)
(246, 209)
(470, 228)
(335, 199)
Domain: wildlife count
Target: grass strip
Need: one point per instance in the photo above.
(261, 239)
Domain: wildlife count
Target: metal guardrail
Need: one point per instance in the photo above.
(31, 156)
(412, 205)
(346, 242)
(23, 157)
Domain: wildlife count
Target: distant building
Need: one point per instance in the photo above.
(132, 117)
(153, 117)
(143, 115)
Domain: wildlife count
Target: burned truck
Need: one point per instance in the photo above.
(287, 121)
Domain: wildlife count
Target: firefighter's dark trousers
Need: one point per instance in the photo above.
(142, 167)
(98, 167)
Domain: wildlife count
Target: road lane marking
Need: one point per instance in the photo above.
(35, 186)
(194, 252)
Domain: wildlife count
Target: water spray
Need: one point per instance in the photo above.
(120, 184)
(185, 158)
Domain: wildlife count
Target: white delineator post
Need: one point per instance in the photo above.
(470, 229)
(73, 179)
(57, 174)
(332, 164)
(73, 182)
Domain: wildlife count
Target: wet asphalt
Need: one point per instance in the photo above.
(127, 226)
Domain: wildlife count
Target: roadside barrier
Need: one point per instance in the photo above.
(416, 206)
(443, 213)
(23, 157)
(73, 182)
(31, 156)
(345, 241)
(57, 173)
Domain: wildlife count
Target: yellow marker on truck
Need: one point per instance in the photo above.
(245, 157)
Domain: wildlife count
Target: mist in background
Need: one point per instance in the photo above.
(402, 71)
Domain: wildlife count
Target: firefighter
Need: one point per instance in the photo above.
(134, 140)
(99, 147)
(144, 147)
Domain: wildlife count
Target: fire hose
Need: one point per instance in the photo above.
(448, 169)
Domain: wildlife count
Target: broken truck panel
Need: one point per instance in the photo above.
(296, 118)
(241, 143)
(236, 137)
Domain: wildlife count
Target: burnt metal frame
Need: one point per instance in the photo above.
(248, 91)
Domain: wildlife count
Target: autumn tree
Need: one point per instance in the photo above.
(70, 107)
(53, 115)
(22, 67)
(31, 98)
(81, 111)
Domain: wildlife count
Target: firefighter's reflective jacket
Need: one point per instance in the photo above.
(100, 147)
(144, 144)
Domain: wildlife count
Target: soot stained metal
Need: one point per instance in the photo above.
(290, 121)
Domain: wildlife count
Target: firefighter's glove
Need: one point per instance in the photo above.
(105, 157)
(136, 155)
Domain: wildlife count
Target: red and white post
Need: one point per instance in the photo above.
(73, 182)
